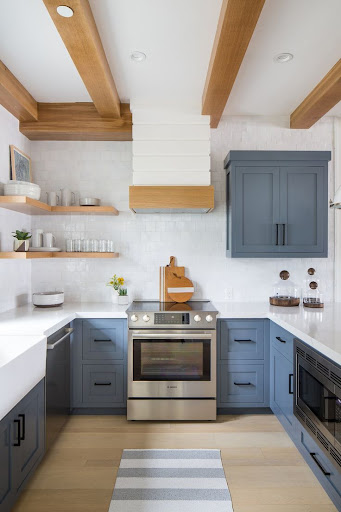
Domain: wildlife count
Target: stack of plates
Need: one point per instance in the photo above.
(89, 201)
(44, 249)
(22, 188)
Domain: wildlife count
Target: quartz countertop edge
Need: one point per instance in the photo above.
(319, 328)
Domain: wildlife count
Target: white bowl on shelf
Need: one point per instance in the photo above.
(48, 299)
(22, 188)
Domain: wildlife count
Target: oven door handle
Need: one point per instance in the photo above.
(152, 335)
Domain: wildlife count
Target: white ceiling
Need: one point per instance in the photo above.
(311, 31)
(177, 36)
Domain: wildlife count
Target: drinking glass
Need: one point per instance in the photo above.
(77, 245)
(110, 246)
(85, 245)
(94, 245)
(69, 245)
(103, 246)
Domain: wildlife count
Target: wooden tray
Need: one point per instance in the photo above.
(286, 302)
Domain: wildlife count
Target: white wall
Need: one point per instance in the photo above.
(15, 275)
(103, 169)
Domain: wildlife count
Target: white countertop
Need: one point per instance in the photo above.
(320, 328)
(31, 320)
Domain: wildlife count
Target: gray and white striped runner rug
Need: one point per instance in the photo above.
(157, 480)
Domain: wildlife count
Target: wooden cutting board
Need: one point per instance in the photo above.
(165, 272)
(179, 288)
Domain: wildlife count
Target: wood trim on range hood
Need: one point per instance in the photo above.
(170, 199)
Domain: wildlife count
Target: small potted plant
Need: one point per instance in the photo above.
(116, 283)
(123, 296)
(21, 240)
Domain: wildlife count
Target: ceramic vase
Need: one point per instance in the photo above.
(114, 296)
(123, 299)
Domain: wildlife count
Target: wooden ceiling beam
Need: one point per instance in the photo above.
(237, 21)
(325, 96)
(77, 121)
(15, 98)
(81, 38)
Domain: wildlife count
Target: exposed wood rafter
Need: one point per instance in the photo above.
(321, 99)
(77, 121)
(15, 98)
(237, 21)
(82, 40)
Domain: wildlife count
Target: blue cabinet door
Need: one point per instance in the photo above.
(240, 340)
(282, 390)
(255, 207)
(29, 434)
(303, 210)
(6, 486)
(103, 339)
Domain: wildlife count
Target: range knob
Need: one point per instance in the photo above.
(197, 318)
(146, 318)
(209, 318)
(134, 318)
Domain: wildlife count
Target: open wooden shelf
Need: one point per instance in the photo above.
(24, 204)
(35, 255)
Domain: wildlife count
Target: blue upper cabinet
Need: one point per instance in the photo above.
(277, 204)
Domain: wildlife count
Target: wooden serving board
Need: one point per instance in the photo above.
(167, 275)
(179, 288)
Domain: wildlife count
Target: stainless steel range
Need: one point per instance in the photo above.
(171, 361)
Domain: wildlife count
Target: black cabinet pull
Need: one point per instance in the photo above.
(291, 375)
(17, 443)
(283, 234)
(280, 339)
(242, 383)
(102, 341)
(243, 341)
(313, 456)
(276, 234)
(102, 383)
(22, 436)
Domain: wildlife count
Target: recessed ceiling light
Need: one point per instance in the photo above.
(65, 11)
(283, 57)
(138, 56)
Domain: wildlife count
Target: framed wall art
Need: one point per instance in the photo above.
(20, 165)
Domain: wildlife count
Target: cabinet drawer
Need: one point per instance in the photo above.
(282, 340)
(103, 383)
(241, 339)
(103, 339)
(241, 383)
(319, 462)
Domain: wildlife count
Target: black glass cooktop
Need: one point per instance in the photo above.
(155, 306)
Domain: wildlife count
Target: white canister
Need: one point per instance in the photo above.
(123, 299)
(52, 198)
(68, 197)
(37, 238)
(49, 239)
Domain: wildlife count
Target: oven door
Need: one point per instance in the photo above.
(171, 364)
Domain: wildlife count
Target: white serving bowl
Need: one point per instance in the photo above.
(22, 188)
(48, 299)
(89, 201)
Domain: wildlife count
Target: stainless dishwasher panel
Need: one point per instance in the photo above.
(57, 383)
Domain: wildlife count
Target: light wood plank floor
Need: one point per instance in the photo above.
(265, 472)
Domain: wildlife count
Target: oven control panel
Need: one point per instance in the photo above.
(171, 318)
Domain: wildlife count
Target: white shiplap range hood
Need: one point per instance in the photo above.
(171, 163)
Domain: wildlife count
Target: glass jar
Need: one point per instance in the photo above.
(285, 292)
(312, 295)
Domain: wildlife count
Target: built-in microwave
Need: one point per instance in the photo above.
(317, 398)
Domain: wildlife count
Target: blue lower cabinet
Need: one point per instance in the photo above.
(241, 385)
(282, 388)
(282, 340)
(99, 366)
(6, 485)
(326, 472)
(22, 444)
(241, 339)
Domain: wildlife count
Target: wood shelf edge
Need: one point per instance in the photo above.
(23, 202)
(31, 255)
